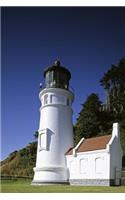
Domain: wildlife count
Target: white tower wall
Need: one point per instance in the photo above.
(55, 136)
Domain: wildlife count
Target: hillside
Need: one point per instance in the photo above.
(20, 162)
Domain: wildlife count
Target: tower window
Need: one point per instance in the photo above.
(99, 166)
(43, 140)
(45, 99)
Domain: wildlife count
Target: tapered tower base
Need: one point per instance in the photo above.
(50, 175)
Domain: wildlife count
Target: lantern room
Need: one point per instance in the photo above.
(57, 76)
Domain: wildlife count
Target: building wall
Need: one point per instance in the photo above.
(89, 165)
(100, 167)
(115, 160)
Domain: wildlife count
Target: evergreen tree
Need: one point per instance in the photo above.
(114, 83)
(88, 123)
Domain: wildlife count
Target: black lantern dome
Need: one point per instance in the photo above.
(57, 76)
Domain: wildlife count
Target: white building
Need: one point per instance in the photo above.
(55, 128)
(95, 161)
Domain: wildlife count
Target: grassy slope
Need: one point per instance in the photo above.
(26, 187)
(20, 162)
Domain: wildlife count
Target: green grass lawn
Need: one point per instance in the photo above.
(26, 187)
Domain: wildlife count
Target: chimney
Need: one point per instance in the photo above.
(115, 130)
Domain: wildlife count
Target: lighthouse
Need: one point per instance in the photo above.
(55, 133)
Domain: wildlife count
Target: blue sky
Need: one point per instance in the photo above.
(87, 40)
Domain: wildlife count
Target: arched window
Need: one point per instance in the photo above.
(99, 165)
(84, 165)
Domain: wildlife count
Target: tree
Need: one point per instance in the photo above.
(114, 83)
(36, 134)
(88, 123)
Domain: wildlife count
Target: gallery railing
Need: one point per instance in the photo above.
(70, 88)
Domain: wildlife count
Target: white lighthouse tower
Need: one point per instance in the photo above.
(55, 128)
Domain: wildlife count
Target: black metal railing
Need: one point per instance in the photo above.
(70, 88)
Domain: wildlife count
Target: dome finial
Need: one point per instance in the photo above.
(57, 63)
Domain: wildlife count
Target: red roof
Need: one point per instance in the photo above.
(92, 144)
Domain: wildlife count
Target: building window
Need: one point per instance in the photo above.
(43, 139)
(84, 165)
(99, 164)
(72, 167)
(46, 99)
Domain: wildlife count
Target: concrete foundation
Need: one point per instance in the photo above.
(92, 182)
(49, 182)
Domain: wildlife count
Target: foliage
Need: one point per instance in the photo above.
(20, 162)
(114, 83)
(88, 121)
(123, 141)
(93, 119)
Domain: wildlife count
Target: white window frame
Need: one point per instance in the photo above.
(42, 136)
